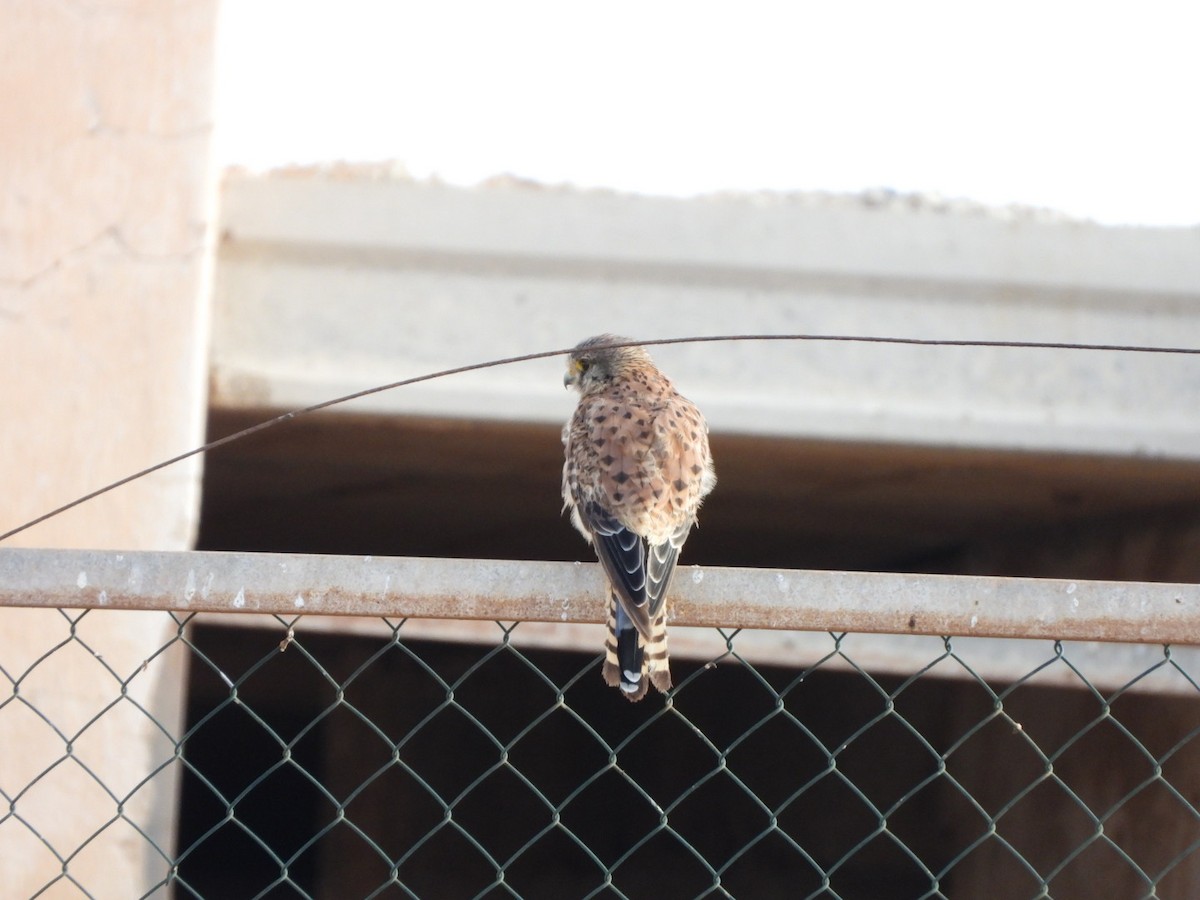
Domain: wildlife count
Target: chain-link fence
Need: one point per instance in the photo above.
(318, 764)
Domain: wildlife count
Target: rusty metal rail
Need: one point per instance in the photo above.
(881, 603)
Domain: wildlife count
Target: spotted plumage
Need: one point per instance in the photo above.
(637, 468)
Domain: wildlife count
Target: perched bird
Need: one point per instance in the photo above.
(637, 467)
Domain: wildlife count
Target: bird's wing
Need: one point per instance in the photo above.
(659, 569)
(623, 556)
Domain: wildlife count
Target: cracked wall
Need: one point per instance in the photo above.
(105, 193)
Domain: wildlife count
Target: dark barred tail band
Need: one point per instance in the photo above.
(632, 663)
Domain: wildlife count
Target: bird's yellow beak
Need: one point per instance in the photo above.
(574, 370)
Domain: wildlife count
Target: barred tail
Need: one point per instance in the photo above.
(631, 662)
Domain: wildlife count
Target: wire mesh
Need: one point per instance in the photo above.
(311, 764)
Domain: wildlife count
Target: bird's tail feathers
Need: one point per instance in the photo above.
(631, 661)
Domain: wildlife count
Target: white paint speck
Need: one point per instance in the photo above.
(240, 600)
(298, 602)
(697, 575)
(208, 583)
(189, 587)
(974, 621)
(782, 581)
(81, 580)
(1071, 588)
(103, 598)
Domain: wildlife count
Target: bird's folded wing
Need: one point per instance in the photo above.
(623, 556)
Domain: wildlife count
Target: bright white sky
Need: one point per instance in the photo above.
(1091, 108)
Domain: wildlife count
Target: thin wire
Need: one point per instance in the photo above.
(527, 357)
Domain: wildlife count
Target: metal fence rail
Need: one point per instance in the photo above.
(316, 764)
(286, 584)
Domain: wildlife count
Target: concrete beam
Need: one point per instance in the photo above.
(330, 283)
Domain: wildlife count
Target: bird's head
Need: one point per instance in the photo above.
(595, 362)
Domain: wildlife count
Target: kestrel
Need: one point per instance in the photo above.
(637, 468)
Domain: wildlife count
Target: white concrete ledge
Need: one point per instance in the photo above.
(742, 235)
(328, 285)
(858, 602)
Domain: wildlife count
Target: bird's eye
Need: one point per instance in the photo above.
(582, 365)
